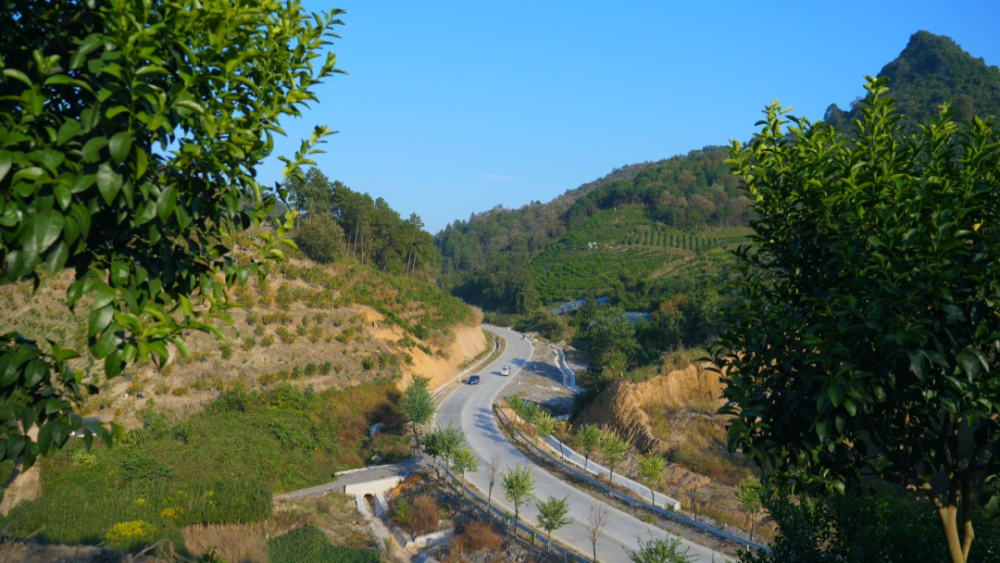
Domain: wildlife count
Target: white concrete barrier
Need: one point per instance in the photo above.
(373, 487)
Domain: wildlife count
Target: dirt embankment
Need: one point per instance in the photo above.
(674, 415)
(622, 407)
(466, 343)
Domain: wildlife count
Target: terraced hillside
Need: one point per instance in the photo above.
(618, 249)
(332, 327)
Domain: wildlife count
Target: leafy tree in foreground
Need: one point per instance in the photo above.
(451, 440)
(659, 551)
(418, 404)
(867, 343)
(589, 437)
(518, 485)
(130, 133)
(552, 516)
(463, 461)
(614, 449)
(864, 525)
(748, 499)
(544, 425)
(651, 470)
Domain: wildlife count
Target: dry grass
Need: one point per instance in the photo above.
(236, 543)
(334, 513)
(424, 517)
(475, 537)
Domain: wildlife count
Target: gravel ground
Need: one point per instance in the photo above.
(541, 381)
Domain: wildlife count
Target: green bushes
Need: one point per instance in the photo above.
(320, 238)
(864, 526)
(170, 476)
(310, 545)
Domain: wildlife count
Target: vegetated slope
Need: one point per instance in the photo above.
(330, 326)
(215, 467)
(624, 254)
(931, 70)
(673, 414)
(641, 219)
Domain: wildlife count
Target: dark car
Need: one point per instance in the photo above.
(474, 380)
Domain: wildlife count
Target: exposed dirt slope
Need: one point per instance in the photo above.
(674, 415)
(623, 406)
(309, 325)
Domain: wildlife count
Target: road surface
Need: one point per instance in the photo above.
(470, 407)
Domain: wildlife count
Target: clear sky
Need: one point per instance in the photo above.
(451, 108)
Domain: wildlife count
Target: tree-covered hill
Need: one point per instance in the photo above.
(648, 223)
(931, 70)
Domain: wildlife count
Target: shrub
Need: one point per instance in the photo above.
(6, 471)
(297, 372)
(320, 237)
(251, 318)
(424, 516)
(202, 383)
(179, 391)
(368, 363)
(267, 340)
(315, 333)
(286, 336)
(258, 330)
(137, 385)
(162, 388)
(301, 330)
(326, 368)
(311, 370)
(248, 344)
(477, 536)
(129, 535)
(310, 545)
(226, 349)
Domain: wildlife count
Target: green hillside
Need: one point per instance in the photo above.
(661, 229)
(654, 225)
(633, 259)
(930, 71)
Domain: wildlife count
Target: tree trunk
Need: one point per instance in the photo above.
(652, 497)
(489, 501)
(463, 484)
(949, 520)
(586, 460)
(753, 524)
(548, 546)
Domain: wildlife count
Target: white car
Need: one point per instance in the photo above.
(505, 370)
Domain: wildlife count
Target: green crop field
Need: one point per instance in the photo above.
(629, 248)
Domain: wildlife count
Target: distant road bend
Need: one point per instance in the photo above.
(470, 407)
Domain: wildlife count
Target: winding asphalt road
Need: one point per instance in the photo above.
(470, 407)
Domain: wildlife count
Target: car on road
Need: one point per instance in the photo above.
(474, 380)
(505, 370)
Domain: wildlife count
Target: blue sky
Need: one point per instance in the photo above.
(451, 108)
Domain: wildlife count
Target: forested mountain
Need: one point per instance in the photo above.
(337, 221)
(659, 227)
(629, 235)
(931, 70)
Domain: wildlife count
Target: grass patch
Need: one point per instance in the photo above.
(309, 544)
(219, 466)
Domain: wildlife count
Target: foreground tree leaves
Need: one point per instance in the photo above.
(130, 132)
(868, 339)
